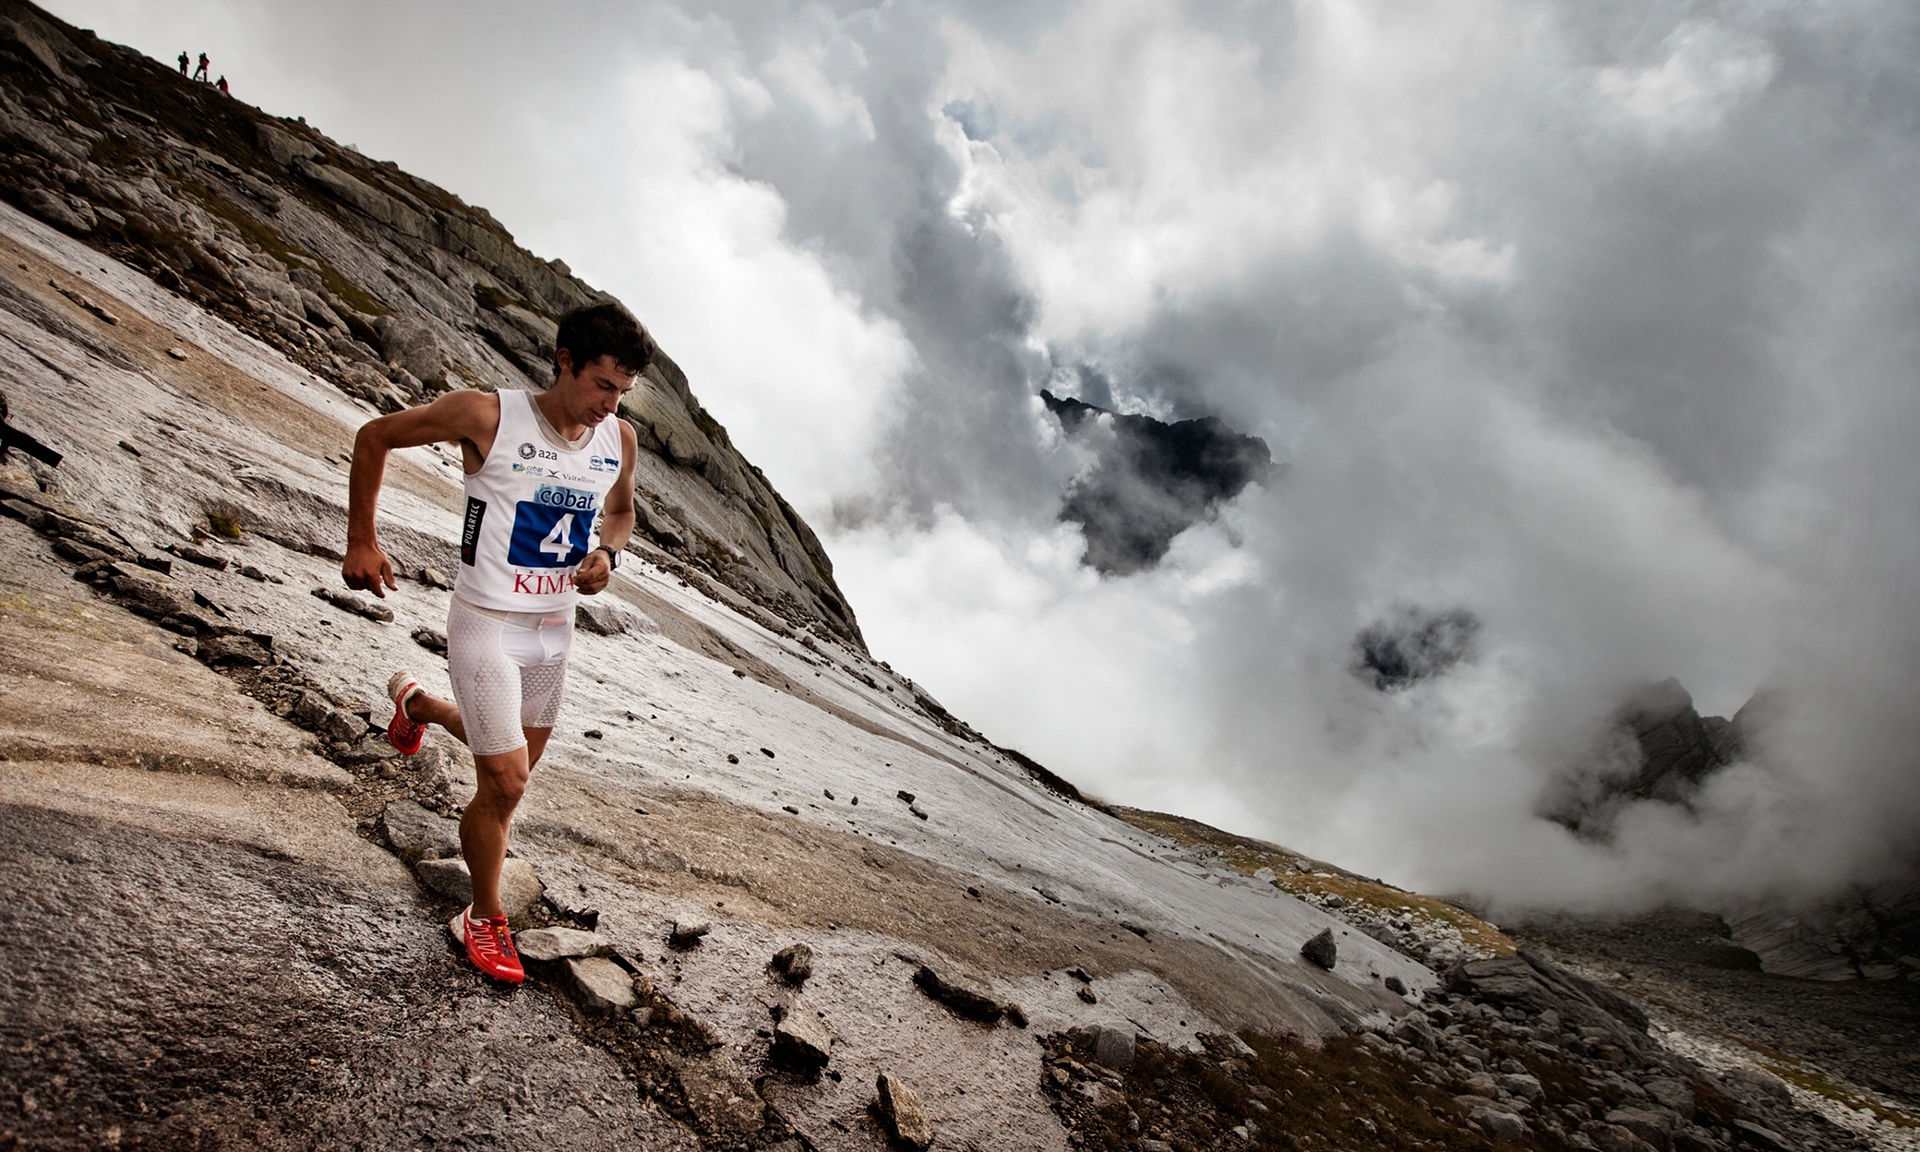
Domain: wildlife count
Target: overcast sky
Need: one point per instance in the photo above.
(1597, 321)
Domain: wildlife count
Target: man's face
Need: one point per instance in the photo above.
(596, 388)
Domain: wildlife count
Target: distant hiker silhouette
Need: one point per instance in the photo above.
(222, 85)
(183, 63)
(200, 73)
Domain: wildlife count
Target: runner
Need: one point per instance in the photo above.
(549, 508)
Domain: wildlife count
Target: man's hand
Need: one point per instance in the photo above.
(367, 569)
(593, 574)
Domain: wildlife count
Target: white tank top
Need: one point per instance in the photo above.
(533, 511)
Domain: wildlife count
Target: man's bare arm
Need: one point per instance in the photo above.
(616, 520)
(463, 415)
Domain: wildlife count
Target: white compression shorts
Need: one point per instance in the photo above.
(507, 669)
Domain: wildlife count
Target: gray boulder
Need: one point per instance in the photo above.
(1114, 1047)
(417, 834)
(603, 985)
(520, 889)
(1321, 949)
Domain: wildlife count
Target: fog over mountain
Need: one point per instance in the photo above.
(1593, 324)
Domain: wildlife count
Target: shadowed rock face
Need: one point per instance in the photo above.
(1152, 480)
(1659, 749)
(1412, 645)
(391, 288)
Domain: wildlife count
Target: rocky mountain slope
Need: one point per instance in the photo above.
(385, 286)
(774, 896)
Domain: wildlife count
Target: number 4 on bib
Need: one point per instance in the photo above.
(548, 537)
(559, 542)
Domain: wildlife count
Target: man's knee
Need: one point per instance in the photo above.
(503, 780)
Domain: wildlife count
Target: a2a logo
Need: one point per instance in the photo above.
(528, 452)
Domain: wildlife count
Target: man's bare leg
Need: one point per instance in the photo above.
(433, 710)
(484, 826)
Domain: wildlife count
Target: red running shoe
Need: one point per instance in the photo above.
(489, 945)
(403, 731)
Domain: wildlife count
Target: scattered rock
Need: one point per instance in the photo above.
(921, 814)
(1395, 985)
(718, 1093)
(177, 353)
(417, 834)
(963, 998)
(603, 985)
(732, 759)
(432, 639)
(790, 808)
(767, 752)
(795, 962)
(351, 603)
(687, 933)
(1673, 1094)
(1086, 995)
(1655, 1126)
(311, 709)
(594, 734)
(557, 943)
(906, 1121)
(801, 1040)
(602, 617)
(341, 727)
(234, 651)
(194, 555)
(1500, 1125)
(1765, 1138)
(1114, 1047)
(1613, 1138)
(905, 796)
(520, 889)
(1321, 949)
(434, 578)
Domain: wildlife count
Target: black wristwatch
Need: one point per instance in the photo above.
(613, 558)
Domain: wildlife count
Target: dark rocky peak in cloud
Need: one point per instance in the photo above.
(1413, 644)
(1151, 480)
(1658, 749)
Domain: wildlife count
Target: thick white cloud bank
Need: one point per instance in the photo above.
(1598, 323)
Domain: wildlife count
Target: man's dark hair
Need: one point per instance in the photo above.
(604, 330)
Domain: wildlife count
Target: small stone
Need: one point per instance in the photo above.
(767, 752)
(1396, 985)
(234, 651)
(603, 985)
(194, 555)
(732, 759)
(341, 726)
(801, 1040)
(520, 889)
(789, 808)
(556, 943)
(827, 792)
(718, 1093)
(901, 1112)
(795, 962)
(687, 933)
(177, 353)
(905, 796)
(918, 812)
(1670, 1093)
(1765, 1138)
(1500, 1125)
(1016, 1015)
(434, 578)
(642, 1017)
(594, 734)
(1321, 949)
(1086, 995)
(432, 639)
(252, 573)
(1114, 1047)
(375, 612)
(310, 709)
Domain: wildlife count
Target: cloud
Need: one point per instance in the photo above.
(1594, 322)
